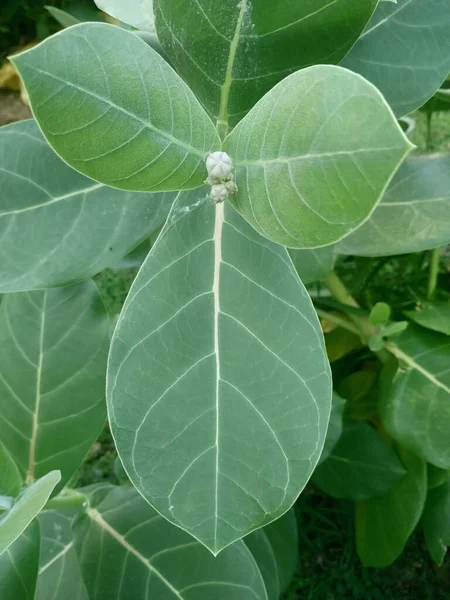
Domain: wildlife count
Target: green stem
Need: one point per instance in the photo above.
(429, 130)
(434, 272)
(337, 320)
(66, 499)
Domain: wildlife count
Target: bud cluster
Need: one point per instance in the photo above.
(220, 176)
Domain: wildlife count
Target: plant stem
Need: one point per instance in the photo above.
(429, 130)
(434, 272)
(337, 320)
(66, 499)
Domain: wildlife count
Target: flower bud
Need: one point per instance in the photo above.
(219, 192)
(219, 165)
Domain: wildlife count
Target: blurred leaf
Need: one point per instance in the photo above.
(64, 18)
(358, 390)
(436, 522)
(380, 314)
(335, 426)
(436, 476)
(340, 342)
(10, 478)
(313, 265)
(432, 315)
(259, 545)
(283, 537)
(19, 566)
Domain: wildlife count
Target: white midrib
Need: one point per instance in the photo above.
(37, 403)
(64, 551)
(97, 517)
(216, 290)
(413, 364)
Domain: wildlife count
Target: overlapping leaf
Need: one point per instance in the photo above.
(57, 226)
(413, 215)
(123, 545)
(138, 13)
(10, 478)
(218, 344)
(436, 522)
(53, 350)
(384, 524)
(335, 426)
(432, 315)
(417, 411)
(405, 51)
(314, 156)
(232, 53)
(19, 566)
(259, 545)
(313, 265)
(283, 537)
(116, 111)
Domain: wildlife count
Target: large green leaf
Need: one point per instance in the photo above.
(10, 478)
(59, 571)
(417, 411)
(413, 215)
(127, 550)
(314, 156)
(138, 13)
(122, 117)
(259, 545)
(313, 265)
(218, 385)
(436, 522)
(19, 566)
(432, 315)
(283, 537)
(33, 499)
(383, 525)
(53, 351)
(57, 226)
(360, 466)
(232, 53)
(405, 51)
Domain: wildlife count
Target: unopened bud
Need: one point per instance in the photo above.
(219, 192)
(219, 165)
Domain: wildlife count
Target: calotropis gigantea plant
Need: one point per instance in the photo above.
(241, 129)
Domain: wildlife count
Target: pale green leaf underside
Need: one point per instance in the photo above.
(432, 315)
(14, 522)
(10, 478)
(19, 566)
(116, 111)
(360, 466)
(53, 350)
(57, 226)
(384, 524)
(413, 215)
(417, 412)
(405, 51)
(314, 157)
(124, 545)
(138, 13)
(436, 522)
(218, 343)
(59, 571)
(232, 53)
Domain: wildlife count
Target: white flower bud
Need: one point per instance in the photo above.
(231, 187)
(219, 165)
(219, 192)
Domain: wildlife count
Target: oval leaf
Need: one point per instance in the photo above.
(405, 51)
(19, 566)
(314, 156)
(122, 117)
(14, 522)
(228, 351)
(83, 226)
(360, 466)
(123, 545)
(53, 351)
(232, 53)
(417, 411)
(138, 13)
(413, 215)
(432, 315)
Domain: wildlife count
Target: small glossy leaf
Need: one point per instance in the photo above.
(283, 537)
(19, 566)
(432, 315)
(361, 465)
(53, 351)
(314, 156)
(313, 265)
(417, 411)
(125, 546)
(14, 522)
(413, 215)
(232, 53)
(335, 426)
(384, 524)
(57, 226)
(138, 13)
(228, 351)
(259, 545)
(124, 118)
(59, 571)
(10, 478)
(405, 51)
(380, 314)
(436, 522)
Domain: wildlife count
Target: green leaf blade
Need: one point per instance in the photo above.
(314, 157)
(212, 392)
(19, 565)
(436, 522)
(106, 113)
(10, 477)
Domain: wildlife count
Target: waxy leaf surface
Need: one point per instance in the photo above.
(232, 53)
(405, 51)
(10, 478)
(57, 226)
(413, 215)
(138, 13)
(314, 157)
(313, 265)
(19, 566)
(116, 111)
(123, 544)
(53, 351)
(218, 344)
